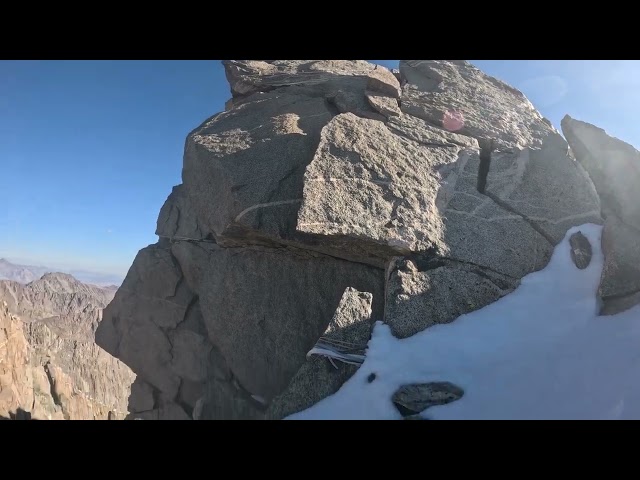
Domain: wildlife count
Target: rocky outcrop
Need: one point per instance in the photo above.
(321, 78)
(420, 294)
(22, 387)
(455, 95)
(620, 282)
(326, 184)
(181, 331)
(614, 167)
(51, 363)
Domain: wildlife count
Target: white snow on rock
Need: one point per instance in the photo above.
(540, 352)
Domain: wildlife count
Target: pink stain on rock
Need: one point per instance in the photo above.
(453, 120)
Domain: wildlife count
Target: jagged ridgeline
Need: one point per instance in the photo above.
(331, 194)
(50, 366)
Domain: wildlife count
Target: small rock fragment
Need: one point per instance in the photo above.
(580, 250)
(413, 399)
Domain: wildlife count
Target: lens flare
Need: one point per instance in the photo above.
(453, 120)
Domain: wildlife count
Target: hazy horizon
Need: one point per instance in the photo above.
(91, 149)
(34, 262)
(84, 276)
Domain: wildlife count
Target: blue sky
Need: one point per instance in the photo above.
(89, 150)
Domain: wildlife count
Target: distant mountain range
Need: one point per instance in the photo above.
(50, 364)
(29, 273)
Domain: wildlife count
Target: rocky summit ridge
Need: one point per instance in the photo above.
(331, 194)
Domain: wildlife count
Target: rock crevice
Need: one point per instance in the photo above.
(53, 390)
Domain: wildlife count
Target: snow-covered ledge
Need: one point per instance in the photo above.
(540, 352)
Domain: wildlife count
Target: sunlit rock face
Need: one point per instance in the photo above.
(330, 194)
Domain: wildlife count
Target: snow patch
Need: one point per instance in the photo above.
(540, 352)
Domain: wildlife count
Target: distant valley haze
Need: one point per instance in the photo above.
(29, 273)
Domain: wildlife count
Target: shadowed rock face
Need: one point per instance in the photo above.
(324, 183)
(51, 367)
(614, 167)
(319, 377)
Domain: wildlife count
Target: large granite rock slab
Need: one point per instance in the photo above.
(412, 191)
(243, 168)
(177, 219)
(544, 185)
(265, 308)
(373, 186)
(152, 301)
